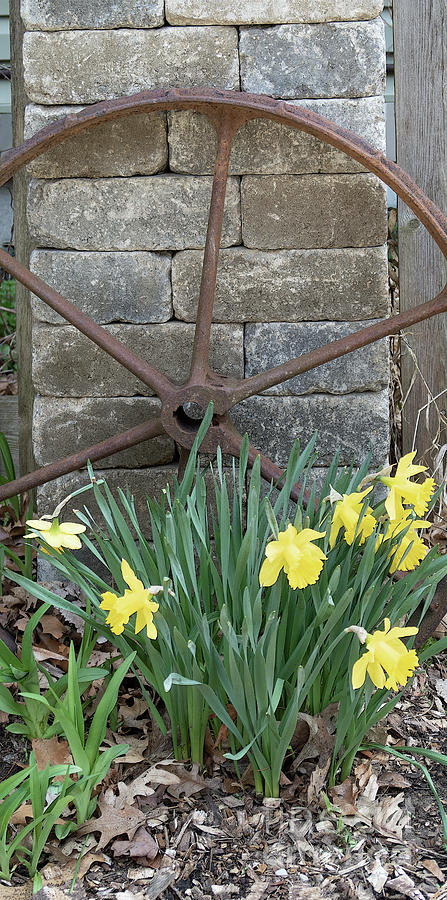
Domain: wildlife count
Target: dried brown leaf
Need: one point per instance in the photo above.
(52, 625)
(142, 846)
(51, 752)
(432, 866)
(393, 779)
(113, 822)
(344, 796)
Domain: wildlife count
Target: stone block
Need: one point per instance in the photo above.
(135, 146)
(232, 12)
(268, 345)
(86, 66)
(140, 482)
(109, 287)
(163, 212)
(62, 427)
(68, 364)
(307, 60)
(57, 15)
(262, 147)
(305, 211)
(352, 423)
(286, 285)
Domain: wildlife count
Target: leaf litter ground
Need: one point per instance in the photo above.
(165, 829)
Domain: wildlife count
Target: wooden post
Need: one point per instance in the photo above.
(420, 54)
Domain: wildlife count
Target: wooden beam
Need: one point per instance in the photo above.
(420, 58)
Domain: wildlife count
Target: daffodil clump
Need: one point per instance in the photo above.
(241, 627)
(295, 553)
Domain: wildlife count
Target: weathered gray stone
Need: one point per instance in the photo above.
(56, 15)
(262, 147)
(164, 212)
(136, 146)
(308, 60)
(109, 287)
(140, 482)
(67, 364)
(317, 477)
(353, 423)
(287, 285)
(252, 12)
(305, 211)
(268, 345)
(62, 427)
(85, 66)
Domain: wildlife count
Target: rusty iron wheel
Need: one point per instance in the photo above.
(227, 110)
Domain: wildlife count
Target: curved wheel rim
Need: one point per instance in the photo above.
(203, 385)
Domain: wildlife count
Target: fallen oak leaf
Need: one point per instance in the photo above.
(187, 782)
(344, 796)
(24, 814)
(52, 625)
(60, 874)
(51, 752)
(393, 779)
(113, 822)
(142, 846)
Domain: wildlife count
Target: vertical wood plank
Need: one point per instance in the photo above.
(420, 55)
(9, 425)
(21, 244)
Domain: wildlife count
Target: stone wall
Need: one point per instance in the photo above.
(117, 220)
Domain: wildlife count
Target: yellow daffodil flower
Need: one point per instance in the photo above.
(55, 534)
(294, 552)
(385, 653)
(418, 550)
(346, 515)
(136, 600)
(402, 490)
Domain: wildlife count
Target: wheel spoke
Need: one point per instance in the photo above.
(146, 373)
(258, 383)
(143, 432)
(226, 126)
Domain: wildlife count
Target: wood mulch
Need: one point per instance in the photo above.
(165, 829)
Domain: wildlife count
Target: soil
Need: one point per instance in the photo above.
(221, 841)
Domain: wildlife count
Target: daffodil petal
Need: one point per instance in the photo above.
(71, 541)
(129, 576)
(359, 671)
(397, 632)
(39, 524)
(376, 674)
(72, 528)
(270, 570)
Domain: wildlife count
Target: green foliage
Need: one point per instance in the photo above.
(34, 714)
(13, 506)
(85, 749)
(33, 787)
(8, 355)
(222, 640)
